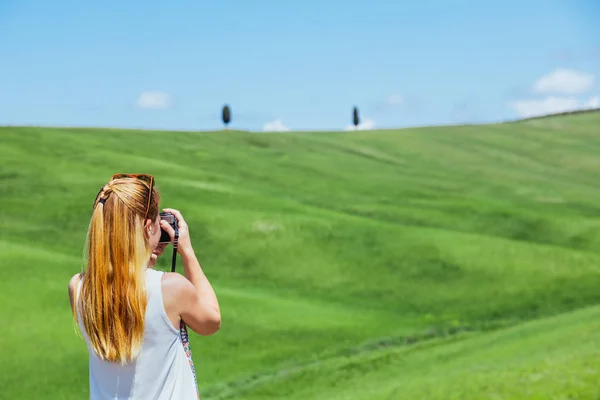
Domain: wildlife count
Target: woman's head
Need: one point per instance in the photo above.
(132, 199)
(123, 231)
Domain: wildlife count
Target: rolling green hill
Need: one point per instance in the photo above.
(357, 265)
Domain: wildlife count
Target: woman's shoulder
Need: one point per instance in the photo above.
(174, 282)
(73, 283)
(176, 287)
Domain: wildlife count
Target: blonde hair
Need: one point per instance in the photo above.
(112, 301)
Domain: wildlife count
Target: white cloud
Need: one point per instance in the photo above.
(395, 100)
(365, 125)
(154, 100)
(564, 81)
(275, 126)
(593, 102)
(552, 105)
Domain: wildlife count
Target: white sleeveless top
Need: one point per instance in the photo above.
(161, 371)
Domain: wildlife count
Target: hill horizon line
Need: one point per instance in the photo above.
(115, 128)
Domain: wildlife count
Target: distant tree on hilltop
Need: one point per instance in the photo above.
(226, 115)
(355, 118)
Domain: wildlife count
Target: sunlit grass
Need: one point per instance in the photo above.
(323, 247)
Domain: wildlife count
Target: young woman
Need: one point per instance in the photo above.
(129, 314)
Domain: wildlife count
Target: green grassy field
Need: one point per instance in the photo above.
(430, 263)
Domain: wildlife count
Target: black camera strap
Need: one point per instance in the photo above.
(175, 241)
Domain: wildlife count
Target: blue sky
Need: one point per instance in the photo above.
(299, 65)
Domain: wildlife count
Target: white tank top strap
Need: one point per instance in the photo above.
(156, 312)
(78, 288)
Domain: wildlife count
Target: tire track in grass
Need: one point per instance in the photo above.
(500, 342)
(429, 337)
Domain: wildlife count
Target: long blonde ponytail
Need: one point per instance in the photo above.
(112, 302)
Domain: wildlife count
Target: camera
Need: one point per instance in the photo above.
(164, 235)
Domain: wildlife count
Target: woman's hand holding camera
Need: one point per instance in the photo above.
(197, 299)
(184, 243)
